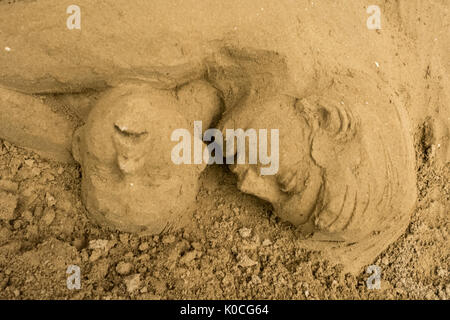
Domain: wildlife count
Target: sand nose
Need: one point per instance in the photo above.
(262, 187)
(131, 148)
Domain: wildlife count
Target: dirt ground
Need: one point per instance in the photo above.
(235, 247)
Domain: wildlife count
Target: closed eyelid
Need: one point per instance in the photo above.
(287, 181)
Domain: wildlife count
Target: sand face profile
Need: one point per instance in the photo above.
(346, 181)
(345, 176)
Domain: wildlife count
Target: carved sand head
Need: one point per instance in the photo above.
(342, 175)
(297, 172)
(129, 181)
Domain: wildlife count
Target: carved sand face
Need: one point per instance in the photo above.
(293, 190)
(129, 180)
(340, 172)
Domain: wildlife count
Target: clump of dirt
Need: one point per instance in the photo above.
(235, 248)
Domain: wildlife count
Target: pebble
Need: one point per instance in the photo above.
(100, 244)
(133, 282)
(246, 262)
(29, 162)
(442, 273)
(144, 290)
(196, 245)
(50, 200)
(17, 224)
(143, 246)
(169, 239)
(245, 232)
(95, 255)
(47, 177)
(255, 279)
(190, 256)
(124, 268)
(144, 257)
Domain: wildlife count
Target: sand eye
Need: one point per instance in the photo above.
(127, 132)
(287, 180)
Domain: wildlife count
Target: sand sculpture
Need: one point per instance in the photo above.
(346, 177)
